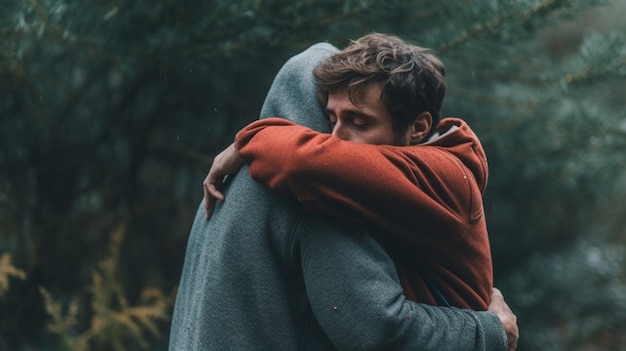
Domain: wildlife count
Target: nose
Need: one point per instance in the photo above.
(341, 132)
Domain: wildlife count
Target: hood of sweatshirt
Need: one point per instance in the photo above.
(457, 137)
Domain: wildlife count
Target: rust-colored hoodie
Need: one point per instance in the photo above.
(425, 200)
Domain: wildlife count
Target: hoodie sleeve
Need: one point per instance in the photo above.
(355, 295)
(399, 189)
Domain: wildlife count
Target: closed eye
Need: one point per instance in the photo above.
(360, 123)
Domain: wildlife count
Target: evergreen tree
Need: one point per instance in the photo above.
(111, 110)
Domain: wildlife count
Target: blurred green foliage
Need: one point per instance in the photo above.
(110, 111)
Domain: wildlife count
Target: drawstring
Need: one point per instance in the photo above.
(437, 293)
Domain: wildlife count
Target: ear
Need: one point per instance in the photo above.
(419, 129)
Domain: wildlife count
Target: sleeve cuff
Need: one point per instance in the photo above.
(495, 336)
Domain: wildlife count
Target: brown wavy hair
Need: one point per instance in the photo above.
(411, 77)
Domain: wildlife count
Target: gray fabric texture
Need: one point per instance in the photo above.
(264, 275)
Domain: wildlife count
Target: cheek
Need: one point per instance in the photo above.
(355, 137)
(370, 139)
(379, 137)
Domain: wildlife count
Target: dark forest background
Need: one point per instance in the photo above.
(111, 110)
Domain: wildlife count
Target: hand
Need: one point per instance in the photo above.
(225, 163)
(508, 319)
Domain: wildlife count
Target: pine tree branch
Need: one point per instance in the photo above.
(485, 28)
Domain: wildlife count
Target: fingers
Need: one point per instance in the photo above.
(225, 163)
(210, 195)
(209, 202)
(497, 294)
(211, 190)
(508, 319)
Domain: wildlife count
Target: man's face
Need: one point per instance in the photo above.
(368, 122)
